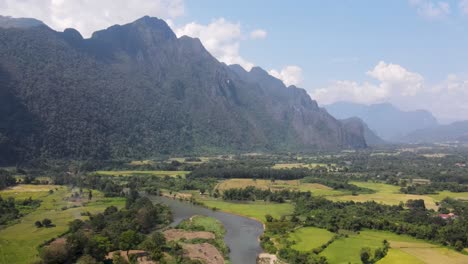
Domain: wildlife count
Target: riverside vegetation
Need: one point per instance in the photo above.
(312, 214)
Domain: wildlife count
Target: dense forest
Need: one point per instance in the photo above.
(138, 91)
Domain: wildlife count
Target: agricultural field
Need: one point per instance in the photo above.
(388, 194)
(308, 238)
(19, 242)
(277, 185)
(256, 210)
(403, 249)
(143, 173)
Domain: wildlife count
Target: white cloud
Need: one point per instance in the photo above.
(258, 34)
(431, 9)
(407, 90)
(290, 75)
(88, 16)
(395, 77)
(392, 80)
(221, 38)
(463, 4)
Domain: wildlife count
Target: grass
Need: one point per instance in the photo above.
(308, 238)
(404, 249)
(444, 194)
(277, 185)
(19, 242)
(209, 224)
(385, 193)
(143, 173)
(256, 210)
(396, 256)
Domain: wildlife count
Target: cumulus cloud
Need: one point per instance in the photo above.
(393, 83)
(258, 34)
(290, 75)
(395, 77)
(431, 9)
(390, 80)
(88, 16)
(221, 38)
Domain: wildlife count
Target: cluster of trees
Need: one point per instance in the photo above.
(434, 187)
(248, 172)
(11, 209)
(6, 179)
(112, 230)
(379, 253)
(415, 221)
(250, 193)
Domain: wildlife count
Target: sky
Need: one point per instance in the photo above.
(411, 53)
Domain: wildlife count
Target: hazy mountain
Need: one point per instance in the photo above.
(370, 136)
(457, 131)
(389, 122)
(10, 22)
(137, 90)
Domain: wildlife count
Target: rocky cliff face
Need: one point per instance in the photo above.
(137, 90)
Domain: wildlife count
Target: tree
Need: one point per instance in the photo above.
(128, 240)
(269, 218)
(47, 222)
(38, 224)
(54, 254)
(366, 255)
(459, 245)
(118, 259)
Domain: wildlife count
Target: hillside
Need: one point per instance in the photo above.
(371, 138)
(389, 122)
(457, 131)
(137, 90)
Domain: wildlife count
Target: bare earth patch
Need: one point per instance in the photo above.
(205, 252)
(265, 258)
(177, 234)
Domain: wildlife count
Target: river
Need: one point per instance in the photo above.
(241, 233)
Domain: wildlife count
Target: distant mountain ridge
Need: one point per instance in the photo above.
(457, 131)
(136, 90)
(389, 122)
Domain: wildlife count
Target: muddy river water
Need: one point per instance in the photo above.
(241, 233)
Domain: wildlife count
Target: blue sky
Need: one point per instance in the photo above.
(412, 53)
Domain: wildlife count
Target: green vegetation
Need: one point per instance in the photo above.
(256, 210)
(309, 238)
(19, 242)
(143, 173)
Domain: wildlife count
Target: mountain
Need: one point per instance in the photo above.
(136, 90)
(457, 131)
(389, 122)
(355, 124)
(10, 22)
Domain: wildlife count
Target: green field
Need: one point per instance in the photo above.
(209, 224)
(143, 173)
(404, 249)
(19, 242)
(308, 238)
(256, 210)
(385, 193)
(277, 185)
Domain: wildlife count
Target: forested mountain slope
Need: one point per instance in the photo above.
(137, 90)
